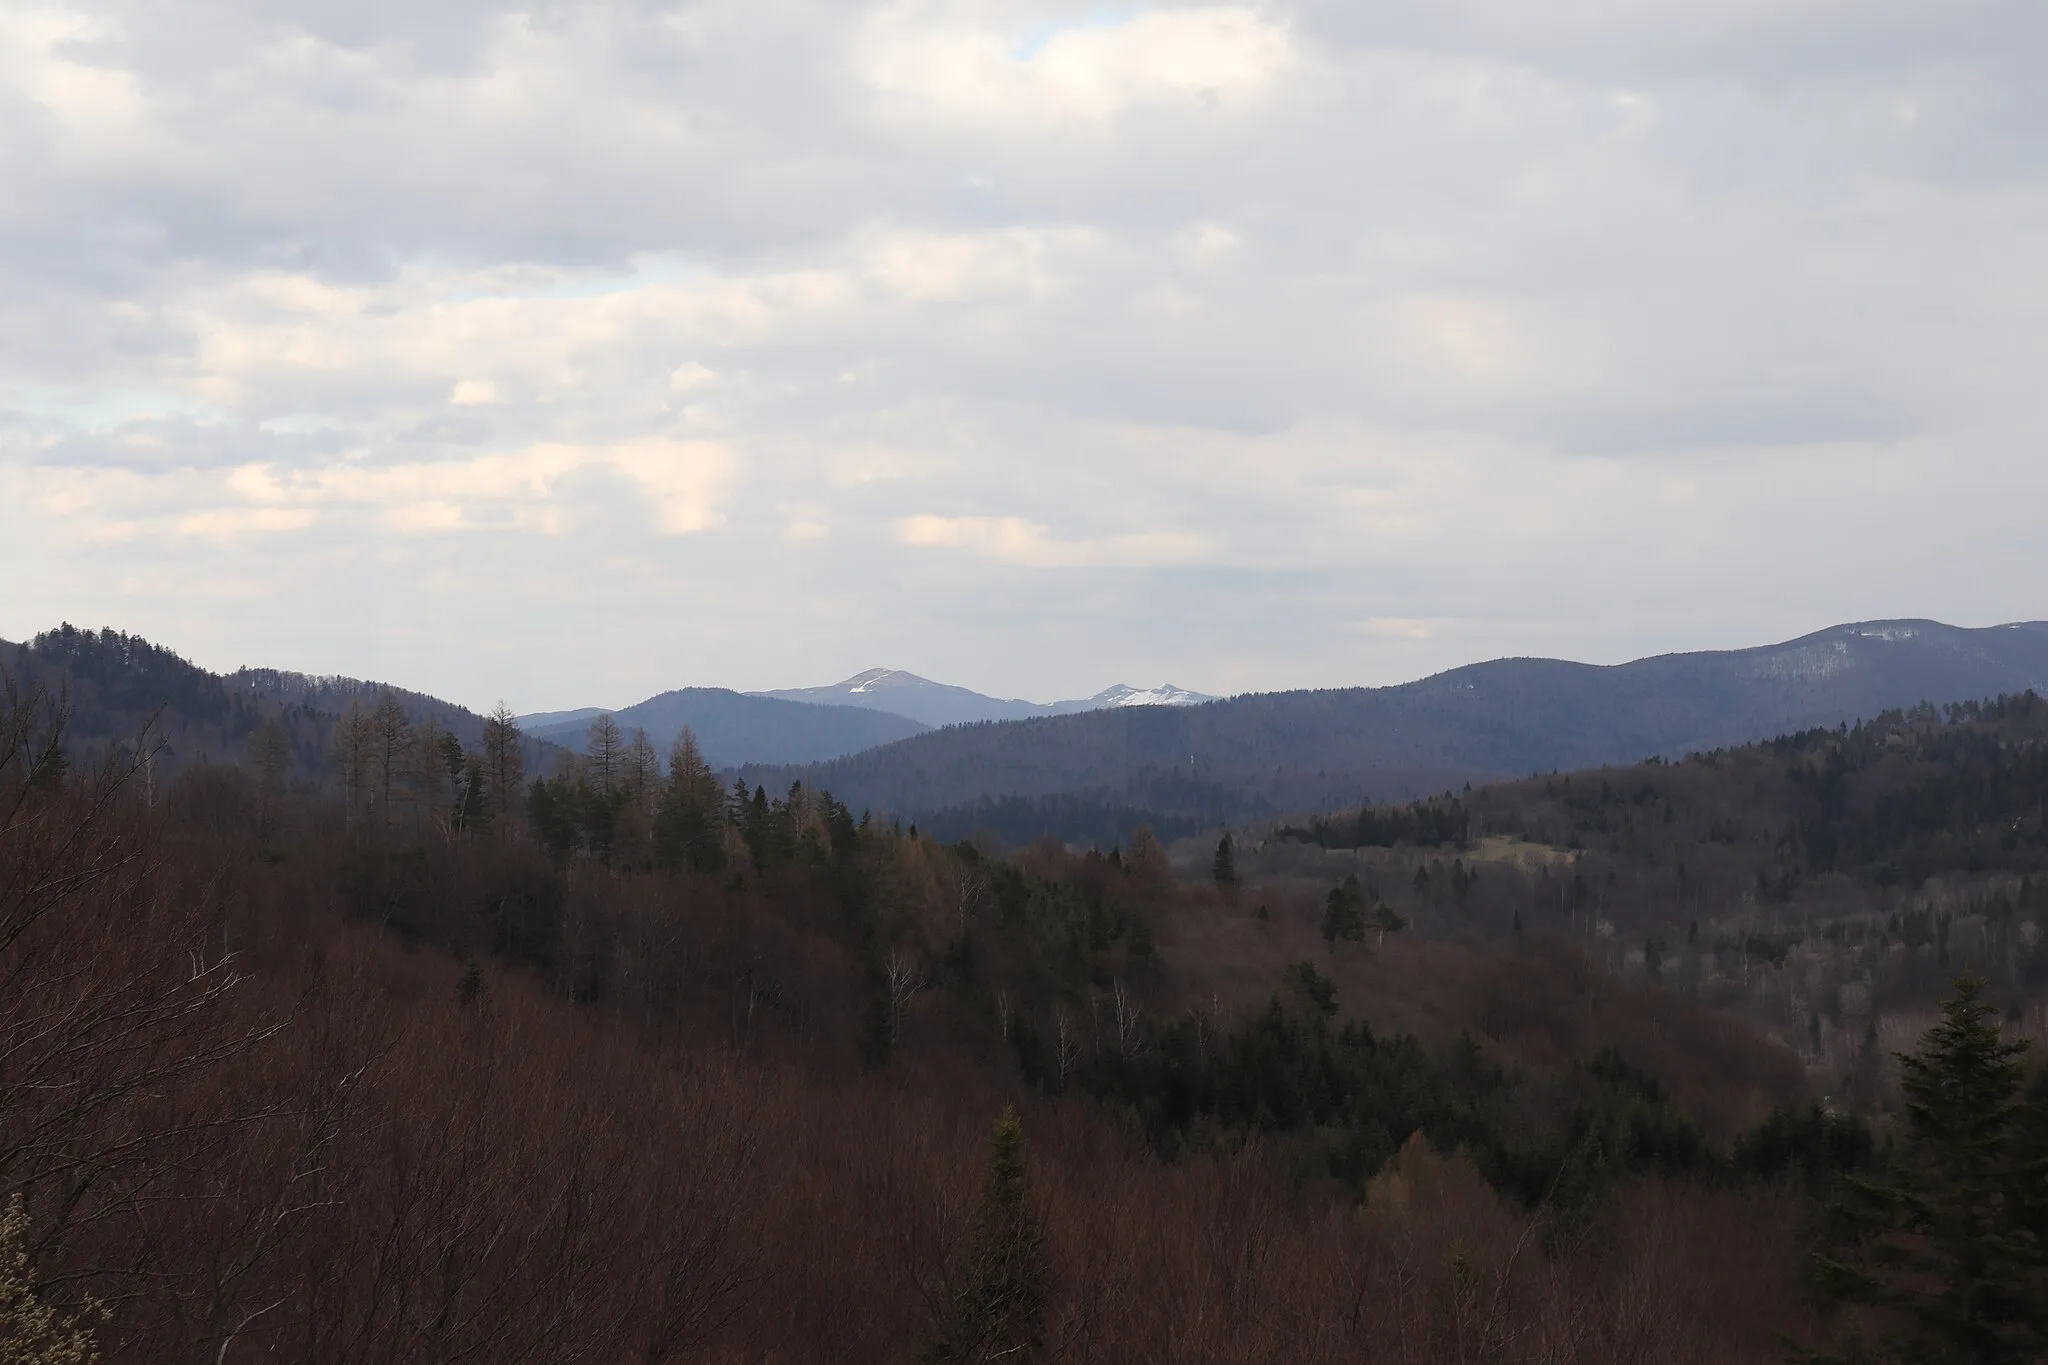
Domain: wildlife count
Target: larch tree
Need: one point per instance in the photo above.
(689, 819)
(428, 772)
(642, 771)
(604, 744)
(270, 753)
(390, 749)
(353, 744)
(504, 761)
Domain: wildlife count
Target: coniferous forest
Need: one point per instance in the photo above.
(396, 1038)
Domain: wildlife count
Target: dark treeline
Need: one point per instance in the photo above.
(449, 1061)
(1430, 824)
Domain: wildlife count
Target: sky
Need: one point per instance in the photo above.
(570, 353)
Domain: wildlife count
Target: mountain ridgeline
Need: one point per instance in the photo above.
(1094, 776)
(1091, 775)
(111, 686)
(938, 704)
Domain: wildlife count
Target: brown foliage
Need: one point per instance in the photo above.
(256, 1125)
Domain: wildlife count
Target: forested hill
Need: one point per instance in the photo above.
(1309, 750)
(113, 684)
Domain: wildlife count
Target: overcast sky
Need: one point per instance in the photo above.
(570, 353)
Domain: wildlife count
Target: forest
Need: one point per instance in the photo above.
(419, 1053)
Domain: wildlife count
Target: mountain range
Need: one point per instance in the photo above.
(802, 725)
(735, 728)
(939, 704)
(1093, 774)
(1267, 753)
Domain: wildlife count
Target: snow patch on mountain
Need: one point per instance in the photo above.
(1166, 694)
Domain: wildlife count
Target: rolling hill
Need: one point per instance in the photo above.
(112, 685)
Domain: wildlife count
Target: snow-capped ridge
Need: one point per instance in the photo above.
(1166, 694)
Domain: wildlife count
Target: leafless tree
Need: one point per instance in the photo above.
(353, 745)
(605, 746)
(504, 761)
(1129, 1023)
(906, 977)
(390, 746)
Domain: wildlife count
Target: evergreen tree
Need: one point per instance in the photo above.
(1386, 920)
(998, 1309)
(1945, 1242)
(1344, 913)
(1224, 867)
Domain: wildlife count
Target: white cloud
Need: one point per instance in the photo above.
(223, 522)
(1256, 344)
(1013, 540)
(938, 67)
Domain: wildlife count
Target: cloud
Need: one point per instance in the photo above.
(1012, 540)
(939, 72)
(1023, 344)
(224, 522)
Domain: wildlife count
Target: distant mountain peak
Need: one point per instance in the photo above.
(1123, 694)
(878, 679)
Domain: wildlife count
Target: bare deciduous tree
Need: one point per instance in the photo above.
(504, 762)
(906, 976)
(604, 744)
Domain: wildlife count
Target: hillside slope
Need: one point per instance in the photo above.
(113, 685)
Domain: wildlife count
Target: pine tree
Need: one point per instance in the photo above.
(998, 1310)
(1945, 1242)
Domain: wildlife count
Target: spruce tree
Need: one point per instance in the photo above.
(1946, 1241)
(1224, 868)
(998, 1311)
(1344, 913)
